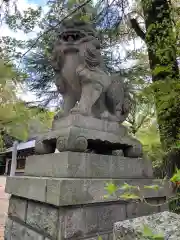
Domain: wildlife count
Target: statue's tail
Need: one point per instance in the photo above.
(118, 98)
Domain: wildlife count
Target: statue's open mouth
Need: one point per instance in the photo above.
(71, 36)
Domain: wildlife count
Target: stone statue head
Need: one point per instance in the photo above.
(72, 31)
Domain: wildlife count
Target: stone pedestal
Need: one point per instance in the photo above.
(61, 196)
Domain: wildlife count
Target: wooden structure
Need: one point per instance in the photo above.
(24, 149)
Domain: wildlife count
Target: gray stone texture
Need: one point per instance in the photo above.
(8, 228)
(103, 237)
(72, 222)
(17, 208)
(89, 122)
(101, 218)
(27, 187)
(90, 220)
(137, 209)
(163, 205)
(43, 218)
(86, 165)
(21, 232)
(76, 191)
(110, 236)
(76, 139)
(165, 223)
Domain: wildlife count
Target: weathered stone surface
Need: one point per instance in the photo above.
(7, 230)
(53, 192)
(137, 209)
(101, 218)
(110, 236)
(85, 165)
(88, 220)
(167, 224)
(74, 223)
(17, 208)
(75, 191)
(27, 187)
(163, 205)
(76, 139)
(89, 122)
(20, 232)
(43, 217)
(103, 237)
(64, 164)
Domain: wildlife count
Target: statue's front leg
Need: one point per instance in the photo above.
(68, 103)
(90, 94)
(93, 83)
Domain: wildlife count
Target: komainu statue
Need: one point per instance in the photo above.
(95, 102)
(81, 78)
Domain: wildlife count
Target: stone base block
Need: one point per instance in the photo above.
(86, 165)
(88, 122)
(63, 192)
(31, 220)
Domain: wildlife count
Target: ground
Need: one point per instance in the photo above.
(3, 205)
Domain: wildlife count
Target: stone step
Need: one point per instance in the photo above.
(87, 165)
(64, 192)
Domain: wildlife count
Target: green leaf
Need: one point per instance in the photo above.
(176, 177)
(147, 232)
(159, 69)
(99, 238)
(158, 236)
(111, 188)
(106, 196)
(129, 196)
(155, 187)
(126, 186)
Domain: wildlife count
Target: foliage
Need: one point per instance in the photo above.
(148, 134)
(39, 122)
(150, 235)
(15, 117)
(12, 111)
(135, 193)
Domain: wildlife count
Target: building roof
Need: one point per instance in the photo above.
(23, 146)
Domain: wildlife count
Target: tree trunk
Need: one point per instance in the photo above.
(161, 44)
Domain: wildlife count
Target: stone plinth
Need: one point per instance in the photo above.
(61, 196)
(77, 133)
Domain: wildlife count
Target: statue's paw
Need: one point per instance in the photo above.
(80, 110)
(59, 115)
(108, 116)
(75, 110)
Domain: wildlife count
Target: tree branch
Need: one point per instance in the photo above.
(68, 15)
(137, 29)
